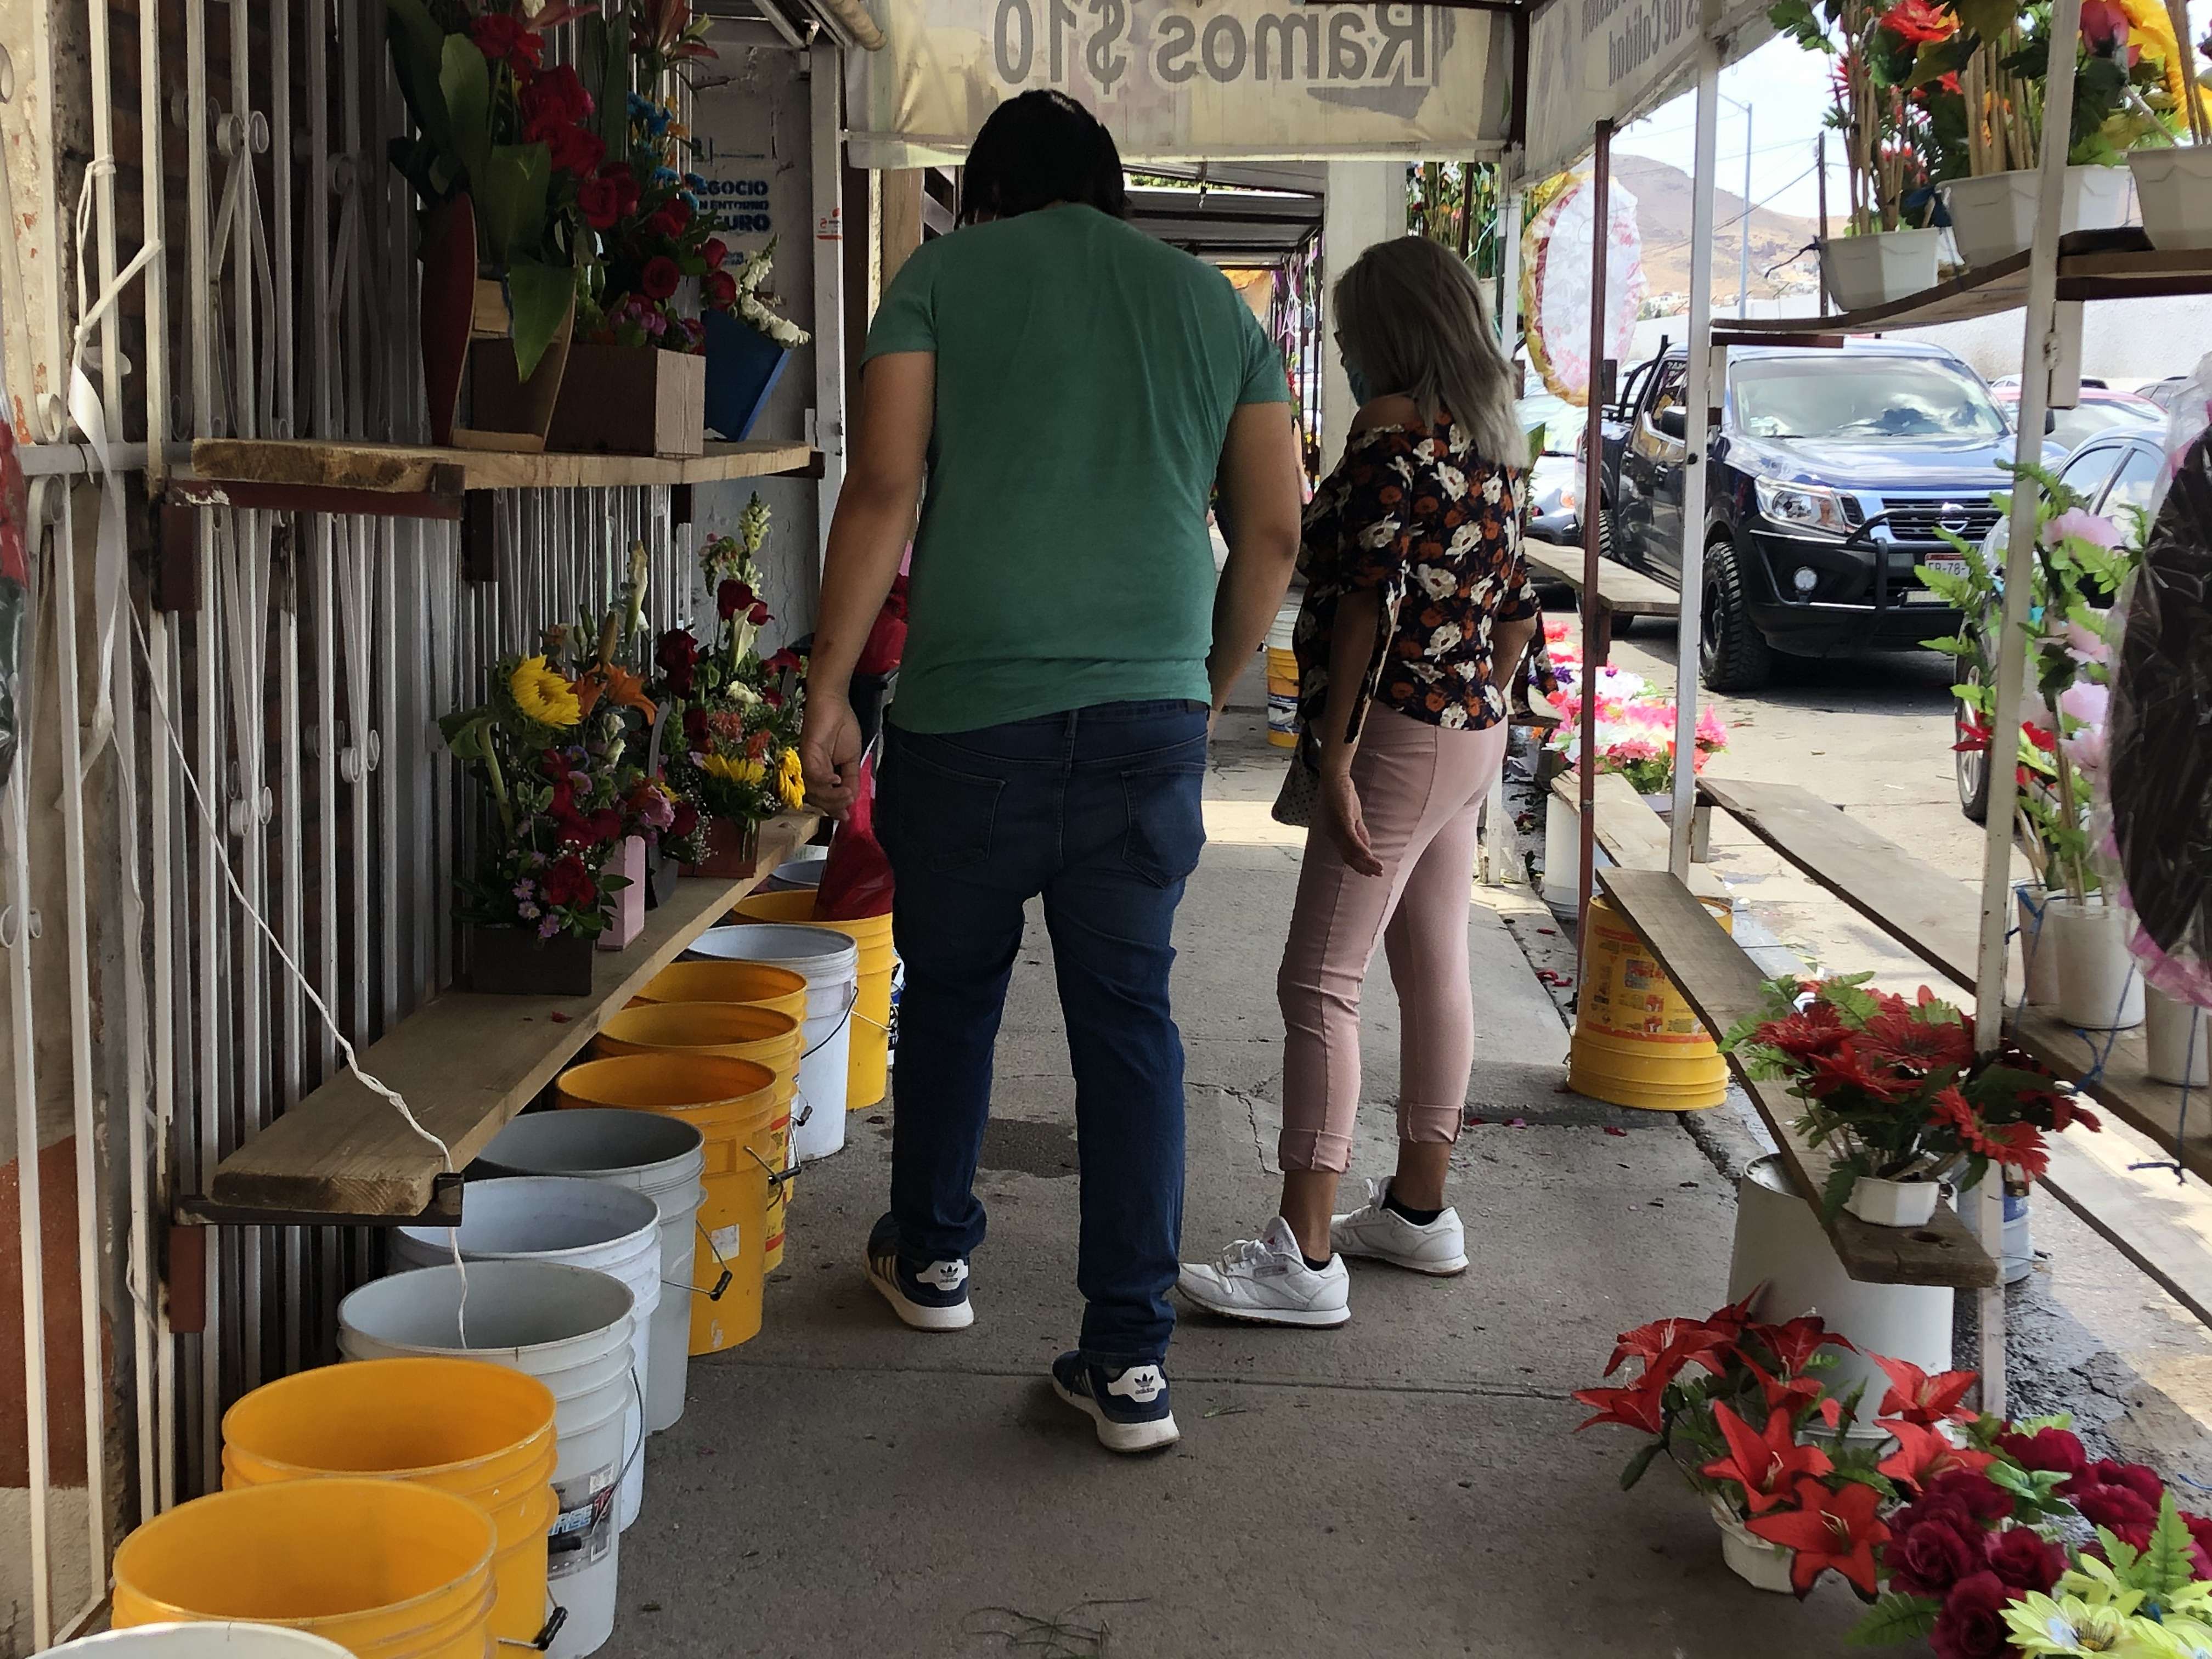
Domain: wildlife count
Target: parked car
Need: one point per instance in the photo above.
(2163, 392)
(2068, 430)
(2112, 471)
(1834, 474)
(1555, 479)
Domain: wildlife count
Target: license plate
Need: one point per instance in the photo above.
(1950, 566)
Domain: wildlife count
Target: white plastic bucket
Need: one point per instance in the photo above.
(570, 1327)
(794, 873)
(2179, 1035)
(216, 1639)
(660, 1157)
(1779, 1243)
(2099, 989)
(832, 963)
(578, 1223)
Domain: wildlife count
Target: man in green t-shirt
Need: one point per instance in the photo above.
(1072, 390)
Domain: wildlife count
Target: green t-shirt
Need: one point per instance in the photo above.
(1085, 375)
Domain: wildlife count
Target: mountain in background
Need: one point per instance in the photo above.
(1662, 214)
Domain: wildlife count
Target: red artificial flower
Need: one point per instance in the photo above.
(1975, 738)
(557, 95)
(2027, 1562)
(1972, 1625)
(2104, 26)
(721, 289)
(658, 278)
(678, 658)
(1794, 1394)
(1895, 1036)
(2047, 741)
(2123, 1497)
(2067, 1110)
(1930, 1559)
(2053, 1449)
(695, 728)
(1766, 1464)
(672, 218)
(1919, 22)
(2200, 1542)
(1635, 1407)
(1923, 1453)
(687, 820)
(731, 597)
(1974, 1495)
(786, 660)
(1916, 1397)
(1816, 1029)
(1793, 1345)
(568, 882)
(1845, 1069)
(1726, 1324)
(600, 201)
(1837, 1530)
(572, 149)
(757, 613)
(618, 174)
(2019, 1146)
(714, 250)
(501, 37)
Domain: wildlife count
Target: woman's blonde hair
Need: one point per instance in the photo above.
(1413, 318)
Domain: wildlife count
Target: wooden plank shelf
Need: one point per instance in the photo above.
(1630, 833)
(2093, 265)
(1627, 593)
(465, 1063)
(403, 468)
(1725, 985)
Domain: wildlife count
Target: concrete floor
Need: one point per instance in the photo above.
(1409, 1483)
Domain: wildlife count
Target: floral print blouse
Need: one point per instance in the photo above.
(1418, 516)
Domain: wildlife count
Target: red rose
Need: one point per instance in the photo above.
(695, 728)
(687, 820)
(557, 94)
(2047, 1449)
(2200, 1534)
(715, 252)
(567, 882)
(2026, 1560)
(721, 289)
(2122, 1495)
(658, 278)
(1972, 1625)
(618, 174)
(497, 35)
(573, 148)
(601, 203)
(731, 597)
(1933, 1557)
(1982, 1498)
(672, 218)
(678, 657)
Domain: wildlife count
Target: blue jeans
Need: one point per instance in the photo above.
(1097, 810)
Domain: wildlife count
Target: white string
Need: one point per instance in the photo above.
(375, 1086)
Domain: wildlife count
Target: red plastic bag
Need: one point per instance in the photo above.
(886, 641)
(856, 878)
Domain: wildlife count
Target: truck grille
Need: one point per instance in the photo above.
(1916, 518)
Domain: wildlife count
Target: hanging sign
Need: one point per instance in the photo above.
(1188, 80)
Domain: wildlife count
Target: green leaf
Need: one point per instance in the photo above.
(503, 191)
(1836, 1189)
(1893, 1620)
(465, 80)
(540, 296)
(2166, 1565)
(1639, 1463)
(417, 45)
(609, 48)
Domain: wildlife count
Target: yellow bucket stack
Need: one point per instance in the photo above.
(869, 1079)
(1637, 1043)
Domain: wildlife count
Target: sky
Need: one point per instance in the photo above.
(1787, 88)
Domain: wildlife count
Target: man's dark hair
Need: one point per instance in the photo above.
(1037, 150)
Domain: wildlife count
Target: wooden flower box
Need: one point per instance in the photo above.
(630, 400)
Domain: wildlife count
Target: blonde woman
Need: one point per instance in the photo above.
(1417, 610)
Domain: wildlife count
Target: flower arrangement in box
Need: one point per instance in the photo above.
(1895, 1091)
(1635, 723)
(732, 755)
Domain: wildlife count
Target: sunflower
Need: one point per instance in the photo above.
(544, 694)
(791, 780)
(733, 769)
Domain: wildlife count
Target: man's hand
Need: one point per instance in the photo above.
(1346, 825)
(830, 752)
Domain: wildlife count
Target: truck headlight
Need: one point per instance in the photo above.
(1805, 507)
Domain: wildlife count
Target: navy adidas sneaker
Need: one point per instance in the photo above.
(1129, 1405)
(930, 1296)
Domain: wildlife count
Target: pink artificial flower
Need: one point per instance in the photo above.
(2079, 524)
(2085, 644)
(2087, 702)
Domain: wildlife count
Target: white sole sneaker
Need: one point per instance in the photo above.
(1156, 1436)
(1249, 1314)
(1451, 1267)
(1374, 1233)
(916, 1315)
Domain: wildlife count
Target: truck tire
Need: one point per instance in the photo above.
(1733, 655)
(1969, 768)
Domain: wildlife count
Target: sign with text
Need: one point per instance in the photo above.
(1188, 80)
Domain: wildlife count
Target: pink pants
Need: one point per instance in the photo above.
(1421, 788)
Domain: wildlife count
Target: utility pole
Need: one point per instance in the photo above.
(1743, 267)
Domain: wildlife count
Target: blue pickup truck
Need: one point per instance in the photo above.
(1834, 471)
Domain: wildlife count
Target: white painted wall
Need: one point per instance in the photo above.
(1366, 205)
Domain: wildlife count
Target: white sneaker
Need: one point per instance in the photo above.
(1440, 1247)
(1266, 1280)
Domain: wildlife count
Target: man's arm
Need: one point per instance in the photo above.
(874, 520)
(1260, 483)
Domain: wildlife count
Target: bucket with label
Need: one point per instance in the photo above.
(1637, 1042)
(662, 1158)
(218, 1639)
(868, 1077)
(577, 1223)
(475, 1430)
(733, 1103)
(830, 962)
(1283, 678)
(385, 1568)
(761, 984)
(570, 1328)
(735, 1031)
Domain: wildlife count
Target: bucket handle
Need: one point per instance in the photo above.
(543, 1639)
(721, 1284)
(775, 1177)
(845, 1018)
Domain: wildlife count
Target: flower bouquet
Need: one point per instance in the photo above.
(731, 754)
(1895, 1091)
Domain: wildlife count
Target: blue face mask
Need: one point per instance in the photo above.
(1362, 393)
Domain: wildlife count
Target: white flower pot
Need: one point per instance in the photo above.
(1760, 1565)
(2098, 988)
(2175, 188)
(2179, 1038)
(2038, 961)
(1894, 1203)
(1993, 217)
(1875, 269)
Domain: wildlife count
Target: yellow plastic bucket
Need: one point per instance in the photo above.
(478, 1431)
(385, 1568)
(741, 1109)
(869, 1080)
(761, 984)
(1637, 1043)
(740, 1031)
(1282, 697)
